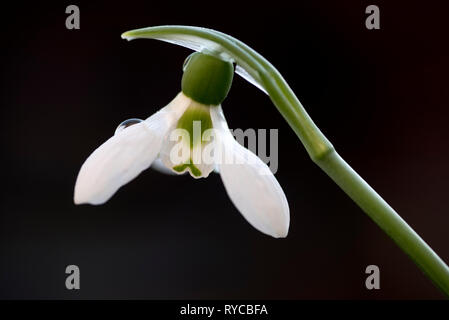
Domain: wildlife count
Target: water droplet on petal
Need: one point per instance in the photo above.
(127, 123)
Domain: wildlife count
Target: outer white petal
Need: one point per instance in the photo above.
(159, 166)
(125, 155)
(250, 184)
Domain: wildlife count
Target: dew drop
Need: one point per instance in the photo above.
(127, 123)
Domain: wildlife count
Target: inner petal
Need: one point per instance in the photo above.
(187, 141)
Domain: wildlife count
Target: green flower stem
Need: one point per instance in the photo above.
(319, 148)
(386, 218)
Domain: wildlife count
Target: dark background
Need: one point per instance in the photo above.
(380, 96)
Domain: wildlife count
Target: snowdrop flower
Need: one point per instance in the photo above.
(190, 135)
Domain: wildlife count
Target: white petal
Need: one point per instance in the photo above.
(203, 162)
(251, 186)
(159, 166)
(170, 159)
(173, 111)
(177, 151)
(125, 155)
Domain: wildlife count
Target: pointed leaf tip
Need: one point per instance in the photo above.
(248, 62)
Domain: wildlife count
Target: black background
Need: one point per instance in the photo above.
(380, 96)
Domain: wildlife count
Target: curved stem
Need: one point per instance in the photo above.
(319, 148)
(386, 218)
(325, 156)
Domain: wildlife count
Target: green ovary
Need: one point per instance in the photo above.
(207, 79)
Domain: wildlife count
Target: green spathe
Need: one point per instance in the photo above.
(207, 78)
